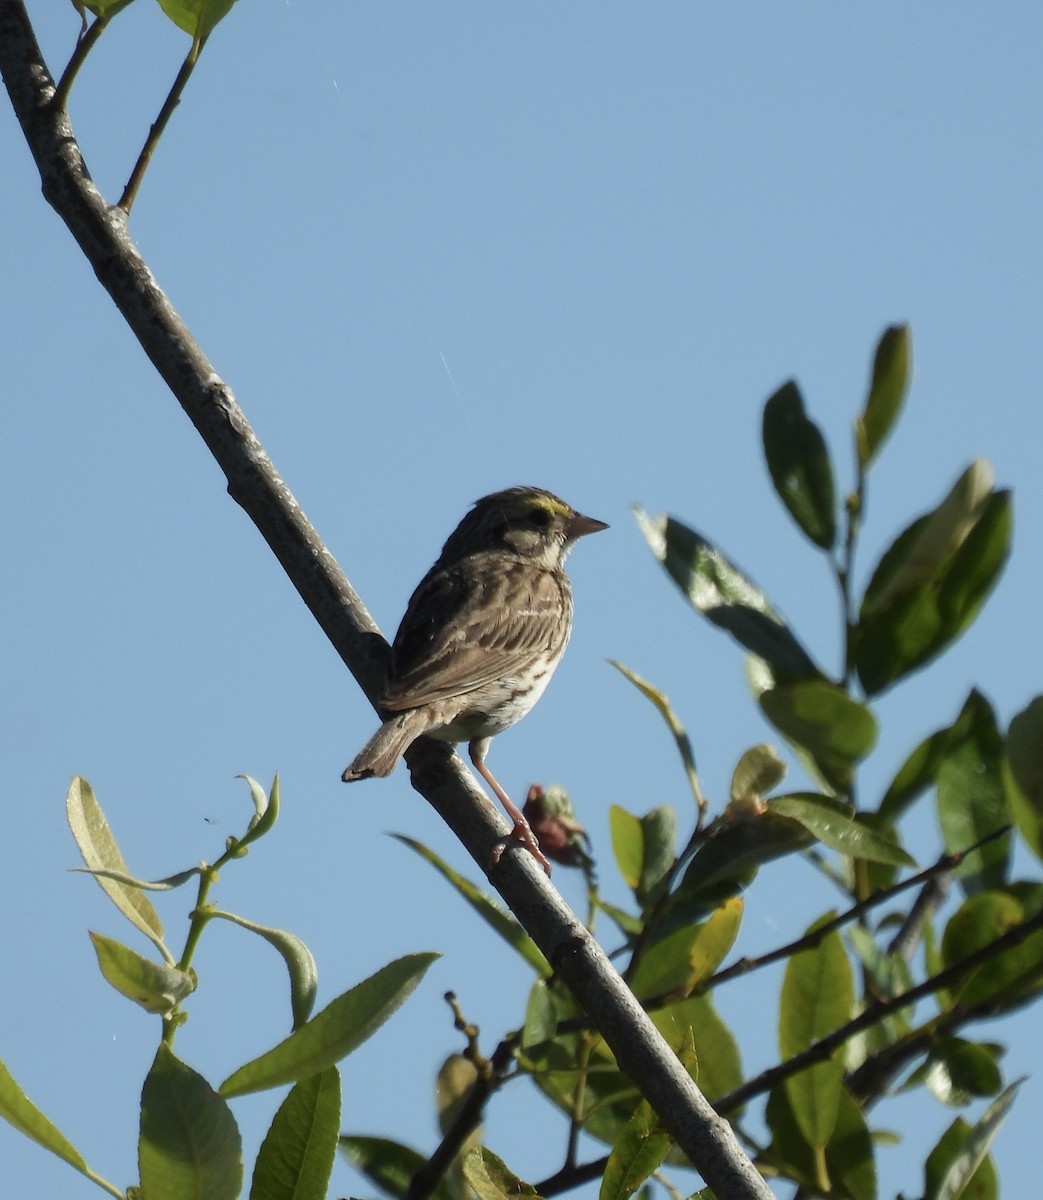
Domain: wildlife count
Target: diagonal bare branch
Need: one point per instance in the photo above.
(102, 234)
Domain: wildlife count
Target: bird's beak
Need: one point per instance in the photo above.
(579, 526)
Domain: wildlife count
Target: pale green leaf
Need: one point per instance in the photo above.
(98, 848)
(335, 1032)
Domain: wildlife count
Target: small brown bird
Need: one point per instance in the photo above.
(481, 636)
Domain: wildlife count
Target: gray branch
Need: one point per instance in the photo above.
(101, 232)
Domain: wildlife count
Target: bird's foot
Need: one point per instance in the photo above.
(523, 836)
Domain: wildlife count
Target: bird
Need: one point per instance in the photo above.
(481, 636)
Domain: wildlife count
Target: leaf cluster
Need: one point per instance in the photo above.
(875, 997)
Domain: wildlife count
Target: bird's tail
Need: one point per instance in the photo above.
(381, 753)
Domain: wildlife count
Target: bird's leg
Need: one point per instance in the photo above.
(522, 831)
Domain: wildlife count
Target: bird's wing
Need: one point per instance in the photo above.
(459, 633)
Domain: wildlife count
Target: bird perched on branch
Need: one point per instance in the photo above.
(481, 636)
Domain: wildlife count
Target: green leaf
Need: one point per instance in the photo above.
(157, 987)
(983, 1184)
(1023, 776)
(18, 1110)
(296, 1158)
(662, 704)
(639, 1151)
(845, 1166)
(743, 842)
(931, 541)
(1008, 979)
(836, 730)
(757, 772)
(957, 1168)
(304, 974)
(971, 796)
(98, 848)
(266, 809)
(453, 1086)
(720, 591)
(485, 906)
(839, 831)
(644, 848)
(887, 389)
(628, 845)
(957, 1070)
(189, 1145)
(817, 997)
(716, 1051)
(389, 1165)
(196, 17)
(908, 617)
(541, 1016)
(168, 884)
(491, 1179)
(339, 1029)
(915, 776)
(798, 462)
(101, 8)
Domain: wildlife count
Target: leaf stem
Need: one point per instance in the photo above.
(156, 132)
(84, 44)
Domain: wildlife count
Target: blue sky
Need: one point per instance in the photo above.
(437, 250)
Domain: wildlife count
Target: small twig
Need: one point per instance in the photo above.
(946, 863)
(492, 1074)
(880, 1009)
(933, 894)
(84, 44)
(156, 132)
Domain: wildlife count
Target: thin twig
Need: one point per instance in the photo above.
(156, 132)
(84, 44)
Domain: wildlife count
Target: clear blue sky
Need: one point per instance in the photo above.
(438, 249)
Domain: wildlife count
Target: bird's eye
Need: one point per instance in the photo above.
(540, 518)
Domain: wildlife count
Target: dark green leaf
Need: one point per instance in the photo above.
(954, 1167)
(738, 846)
(887, 388)
(719, 590)
(296, 1157)
(798, 462)
(389, 1165)
(838, 830)
(1007, 979)
(907, 619)
(335, 1032)
(640, 1150)
(189, 1145)
(836, 730)
(957, 1070)
(971, 797)
(1024, 775)
(484, 905)
(918, 773)
(492, 1179)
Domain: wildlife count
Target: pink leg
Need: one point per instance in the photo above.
(522, 832)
